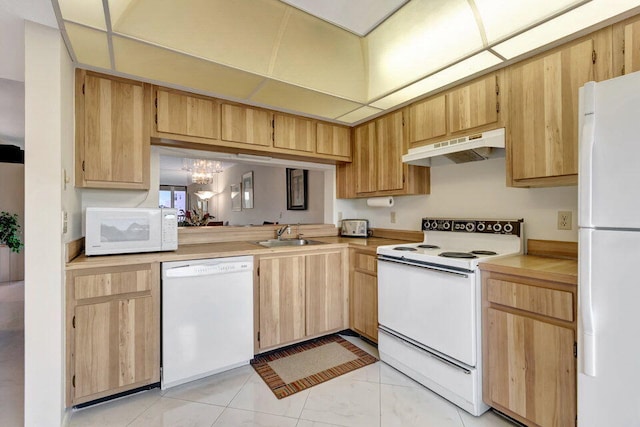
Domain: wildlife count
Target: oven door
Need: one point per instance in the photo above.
(432, 306)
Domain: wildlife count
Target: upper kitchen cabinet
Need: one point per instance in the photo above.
(186, 116)
(294, 133)
(112, 132)
(474, 105)
(427, 119)
(626, 46)
(247, 125)
(542, 148)
(333, 140)
(377, 168)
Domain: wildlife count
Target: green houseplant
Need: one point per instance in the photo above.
(10, 231)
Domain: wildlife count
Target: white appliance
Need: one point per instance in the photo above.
(429, 304)
(609, 250)
(130, 230)
(207, 317)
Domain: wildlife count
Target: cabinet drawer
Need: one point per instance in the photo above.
(104, 284)
(366, 262)
(548, 302)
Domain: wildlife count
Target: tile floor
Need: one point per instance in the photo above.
(376, 395)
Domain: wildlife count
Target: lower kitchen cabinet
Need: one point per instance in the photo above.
(529, 349)
(113, 330)
(363, 301)
(301, 296)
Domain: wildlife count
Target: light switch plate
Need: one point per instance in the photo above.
(392, 217)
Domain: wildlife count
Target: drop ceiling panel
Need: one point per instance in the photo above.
(87, 12)
(357, 16)
(503, 18)
(293, 98)
(359, 114)
(420, 38)
(315, 54)
(238, 33)
(90, 46)
(462, 69)
(155, 63)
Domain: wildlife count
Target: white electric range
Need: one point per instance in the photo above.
(429, 297)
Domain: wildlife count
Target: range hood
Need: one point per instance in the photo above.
(479, 146)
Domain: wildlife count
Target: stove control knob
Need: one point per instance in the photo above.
(497, 227)
(426, 225)
(508, 228)
(446, 225)
(434, 225)
(481, 226)
(470, 227)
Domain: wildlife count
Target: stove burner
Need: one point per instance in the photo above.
(429, 246)
(404, 248)
(457, 255)
(484, 253)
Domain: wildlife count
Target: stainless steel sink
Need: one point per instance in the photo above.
(271, 243)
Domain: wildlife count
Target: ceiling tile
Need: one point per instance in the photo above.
(90, 46)
(87, 12)
(293, 98)
(357, 16)
(155, 63)
(321, 56)
(238, 33)
(462, 69)
(420, 38)
(359, 114)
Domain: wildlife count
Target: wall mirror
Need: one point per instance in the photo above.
(247, 190)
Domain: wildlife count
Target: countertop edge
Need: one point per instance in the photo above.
(536, 267)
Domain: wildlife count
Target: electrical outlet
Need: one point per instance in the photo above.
(392, 217)
(339, 216)
(564, 220)
(65, 221)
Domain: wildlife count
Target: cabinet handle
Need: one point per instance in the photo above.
(73, 381)
(73, 322)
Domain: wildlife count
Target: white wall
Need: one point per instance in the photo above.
(269, 197)
(48, 92)
(475, 190)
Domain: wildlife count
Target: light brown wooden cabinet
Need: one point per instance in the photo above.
(301, 296)
(529, 349)
(247, 125)
(363, 301)
(294, 133)
(186, 115)
(113, 330)
(377, 168)
(427, 120)
(112, 132)
(333, 140)
(474, 105)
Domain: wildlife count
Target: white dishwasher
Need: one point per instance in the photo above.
(207, 317)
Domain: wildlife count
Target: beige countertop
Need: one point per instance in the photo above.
(225, 249)
(543, 268)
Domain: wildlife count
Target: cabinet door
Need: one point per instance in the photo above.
(181, 114)
(390, 148)
(247, 125)
(366, 162)
(294, 133)
(632, 47)
(474, 105)
(325, 293)
(114, 348)
(282, 300)
(114, 139)
(531, 368)
(544, 112)
(364, 304)
(333, 140)
(427, 119)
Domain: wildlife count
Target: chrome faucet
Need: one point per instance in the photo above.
(281, 231)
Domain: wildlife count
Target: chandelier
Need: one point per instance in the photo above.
(202, 171)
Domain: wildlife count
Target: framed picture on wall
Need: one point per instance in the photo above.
(247, 190)
(297, 189)
(236, 198)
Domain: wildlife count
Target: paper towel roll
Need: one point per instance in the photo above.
(380, 202)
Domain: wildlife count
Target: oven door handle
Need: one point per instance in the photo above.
(427, 267)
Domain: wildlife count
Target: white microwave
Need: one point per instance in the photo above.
(130, 230)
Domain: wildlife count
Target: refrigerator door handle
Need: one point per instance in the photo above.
(586, 305)
(585, 152)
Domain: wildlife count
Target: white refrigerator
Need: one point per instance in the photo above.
(609, 253)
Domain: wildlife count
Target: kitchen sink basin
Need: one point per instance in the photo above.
(272, 243)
